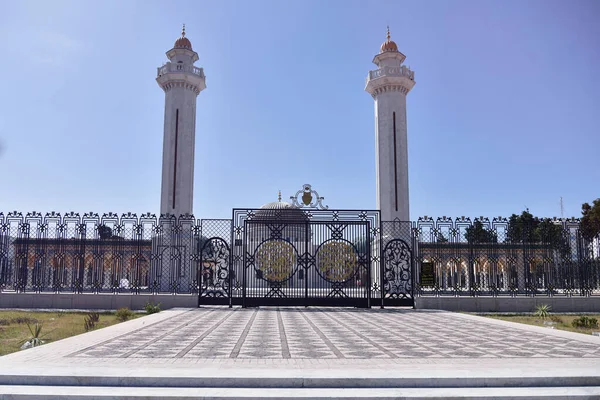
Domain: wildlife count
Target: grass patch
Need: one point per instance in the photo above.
(562, 321)
(57, 325)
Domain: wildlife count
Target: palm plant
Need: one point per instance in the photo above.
(91, 320)
(36, 336)
(542, 311)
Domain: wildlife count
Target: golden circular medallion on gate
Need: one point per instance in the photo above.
(276, 260)
(337, 260)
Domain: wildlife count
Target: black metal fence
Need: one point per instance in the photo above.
(94, 254)
(386, 262)
(505, 257)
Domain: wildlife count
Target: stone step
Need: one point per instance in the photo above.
(259, 379)
(146, 393)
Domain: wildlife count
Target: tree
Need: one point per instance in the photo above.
(554, 235)
(526, 228)
(522, 228)
(104, 232)
(476, 233)
(590, 221)
(440, 238)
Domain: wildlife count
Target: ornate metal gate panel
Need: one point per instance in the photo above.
(297, 257)
(397, 263)
(214, 274)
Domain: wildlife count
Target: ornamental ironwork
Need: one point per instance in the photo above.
(337, 261)
(321, 259)
(214, 268)
(307, 197)
(275, 259)
(338, 257)
(397, 269)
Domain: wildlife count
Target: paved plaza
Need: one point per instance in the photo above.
(299, 333)
(241, 353)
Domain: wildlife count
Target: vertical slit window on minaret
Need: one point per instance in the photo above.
(395, 161)
(175, 155)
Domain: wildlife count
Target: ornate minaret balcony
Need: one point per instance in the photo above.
(172, 74)
(392, 71)
(180, 71)
(390, 79)
(170, 68)
(391, 75)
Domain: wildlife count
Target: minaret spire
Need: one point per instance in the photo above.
(181, 81)
(279, 197)
(389, 85)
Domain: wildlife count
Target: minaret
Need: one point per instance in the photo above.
(181, 82)
(389, 86)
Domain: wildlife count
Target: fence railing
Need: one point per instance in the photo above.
(108, 253)
(131, 253)
(505, 257)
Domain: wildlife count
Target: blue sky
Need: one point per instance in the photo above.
(505, 113)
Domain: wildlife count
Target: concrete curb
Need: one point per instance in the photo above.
(298, 382)
(96, 393)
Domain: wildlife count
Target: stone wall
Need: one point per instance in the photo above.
(94, 301)
(509, 304)
(137, 302)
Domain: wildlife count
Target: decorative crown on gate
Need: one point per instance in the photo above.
(309, 198)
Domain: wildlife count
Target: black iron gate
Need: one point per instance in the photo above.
(297, 257)
(306, 263)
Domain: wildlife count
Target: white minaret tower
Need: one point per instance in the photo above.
(182, 82)
(389, 86)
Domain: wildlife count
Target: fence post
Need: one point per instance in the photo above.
(381, 263)
(413, 272)
(305, 263)
(471, 271)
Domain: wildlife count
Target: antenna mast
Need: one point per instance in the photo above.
(562, 209)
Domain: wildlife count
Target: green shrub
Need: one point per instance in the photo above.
(4, 322)
(152, 308)
(542, 311)
(123, 314)
(91, 320)
(585, 322)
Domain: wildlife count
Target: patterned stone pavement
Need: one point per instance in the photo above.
(320, 333)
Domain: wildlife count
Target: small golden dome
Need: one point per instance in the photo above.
(388, 45)
(183, 42)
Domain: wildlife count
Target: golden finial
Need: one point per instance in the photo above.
(279, 197)
(183, 31)
(388, 33)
